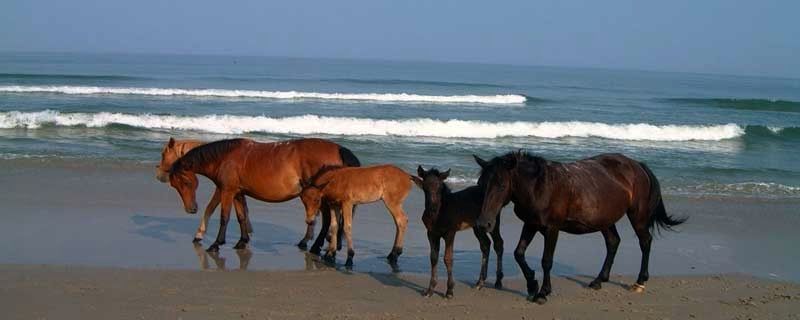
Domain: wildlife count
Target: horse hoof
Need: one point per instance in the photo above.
(595, 285)
(315, 250)
(498, 284)
(448, 296)
(302, 245)
(479, 285)
(531, 298)
(349, 263)
(213, 248)
(240, 245)
(638, 288)
(540, 300)
(427, 293)
(329, 258)
(197, 240)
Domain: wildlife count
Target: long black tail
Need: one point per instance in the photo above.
(348, 158)
(659, 219)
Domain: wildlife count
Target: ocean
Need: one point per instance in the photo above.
(703, 135)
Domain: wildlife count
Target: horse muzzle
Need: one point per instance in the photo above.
(192, 209)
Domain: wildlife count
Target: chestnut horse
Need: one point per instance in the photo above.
(268, 172)
(343, 187)
(448, 212)
(580, 197)
(175, 149)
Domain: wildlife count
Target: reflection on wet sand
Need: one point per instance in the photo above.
(243, 255)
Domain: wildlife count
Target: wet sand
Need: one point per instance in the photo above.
(111, 241)
(40, 292)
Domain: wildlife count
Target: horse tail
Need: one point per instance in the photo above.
(659, 219)
(348, 158)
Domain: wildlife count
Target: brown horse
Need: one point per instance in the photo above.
(344, 187)
(448, 212)
(579, 197)
(172, 151)
(268, 172)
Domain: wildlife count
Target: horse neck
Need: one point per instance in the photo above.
(522, 186)
(186, 146)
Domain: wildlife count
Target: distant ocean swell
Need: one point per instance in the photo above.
(423, 127)
(508, 99)
(742, 104)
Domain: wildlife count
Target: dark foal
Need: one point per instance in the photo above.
(579, 197)
(448, 212)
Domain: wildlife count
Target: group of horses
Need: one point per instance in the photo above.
(580, 197)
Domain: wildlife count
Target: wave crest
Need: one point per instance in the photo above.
(423, 127)
(226, 93)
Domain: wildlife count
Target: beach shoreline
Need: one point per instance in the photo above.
(70, 292)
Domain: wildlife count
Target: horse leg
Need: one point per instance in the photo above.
(212, 205)
(323, 232)
(347, 218)
(612, 243)
(434, 242)
(240, 205)
(485, 244)
(525, 238)
(400, 222)
(247, 217)
(340, 232)
(448, 262)
(645, 239)
(497, 240)
(550, 239)
(330, 255)
(226, 198)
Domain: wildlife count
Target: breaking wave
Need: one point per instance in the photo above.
(227, 93)
(347, 126)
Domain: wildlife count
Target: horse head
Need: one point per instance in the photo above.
(432, 184)
(496, 180)
(185, 182)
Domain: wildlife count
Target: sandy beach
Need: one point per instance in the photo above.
(109, 241)
(57, 292)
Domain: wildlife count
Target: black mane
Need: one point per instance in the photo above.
(525, 161)
(208, 152)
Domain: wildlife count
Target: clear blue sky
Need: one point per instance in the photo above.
(715, 36)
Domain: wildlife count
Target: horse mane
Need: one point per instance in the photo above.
(530, 164)
(323, 170)
(209, 152)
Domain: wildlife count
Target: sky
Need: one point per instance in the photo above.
(710, 36)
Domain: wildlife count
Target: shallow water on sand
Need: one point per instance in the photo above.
(70, 213)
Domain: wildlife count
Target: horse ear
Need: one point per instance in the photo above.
(416, 180)
(420, 171)
(171, 142)
(480, 161)
(444, 175)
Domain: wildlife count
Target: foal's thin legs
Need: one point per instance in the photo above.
(347, 218)
(434, 241)
(612, 243)
(226, 199)
(448, 262)
(497, 240)
(525, 238)
(212, 205)
(330, 255)
(401, 222)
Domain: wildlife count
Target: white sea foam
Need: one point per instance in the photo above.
(747, 189)
(422, 127)
(225, 93)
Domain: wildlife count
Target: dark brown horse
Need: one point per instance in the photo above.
(268, 172)
(580, 197)
(448, 212)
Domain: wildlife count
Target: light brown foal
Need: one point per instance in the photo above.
(343, 187)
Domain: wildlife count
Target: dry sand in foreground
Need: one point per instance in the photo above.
(59, 292)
